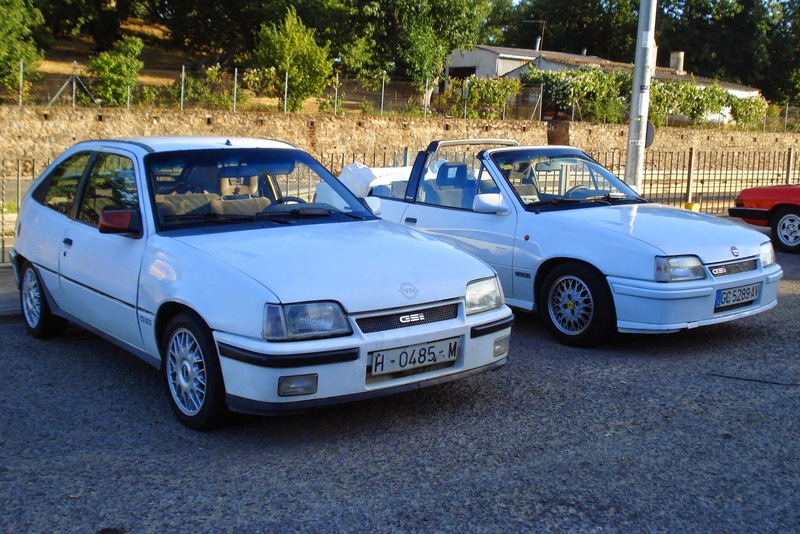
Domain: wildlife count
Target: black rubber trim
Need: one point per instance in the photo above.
(491, 328)
(749, 213)
(286, 361)
(239, 404)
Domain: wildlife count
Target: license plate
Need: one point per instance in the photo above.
(737, 295)
(413, 356)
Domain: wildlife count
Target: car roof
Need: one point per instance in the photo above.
(188, 142)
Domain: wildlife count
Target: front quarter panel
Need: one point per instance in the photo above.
(225, 298)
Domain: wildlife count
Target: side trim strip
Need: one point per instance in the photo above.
(491, 328)
(284, 361)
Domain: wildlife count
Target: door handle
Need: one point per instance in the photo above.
(411, 220)
(68, 241)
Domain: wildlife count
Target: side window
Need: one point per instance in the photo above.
(59, 189)
(111, 186)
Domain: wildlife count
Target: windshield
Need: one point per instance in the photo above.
(560, 177)
(266, 185)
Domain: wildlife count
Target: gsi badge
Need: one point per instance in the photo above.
(412, 318)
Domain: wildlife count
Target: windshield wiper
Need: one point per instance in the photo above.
(555, 201)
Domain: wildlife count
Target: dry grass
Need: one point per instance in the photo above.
(162, 64)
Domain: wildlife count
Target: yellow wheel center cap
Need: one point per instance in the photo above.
(570, 305)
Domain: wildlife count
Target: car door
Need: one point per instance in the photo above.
(99, 273)
(446, 214)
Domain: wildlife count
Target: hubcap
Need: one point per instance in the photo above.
(186, 372)
(789, 230)
(570, 305)
(31, 298)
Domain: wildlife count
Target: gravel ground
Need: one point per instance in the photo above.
(696, 431)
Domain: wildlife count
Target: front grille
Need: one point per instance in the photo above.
(725, 269)
(406, 318)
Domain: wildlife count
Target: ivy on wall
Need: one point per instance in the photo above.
(593, 95)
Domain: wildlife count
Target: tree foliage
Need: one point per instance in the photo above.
(753, 42)
(116, 72)
(483, 98)
(291, 48)
(19, 21)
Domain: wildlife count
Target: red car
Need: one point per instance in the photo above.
(775, 206)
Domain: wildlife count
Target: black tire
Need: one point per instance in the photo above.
(191, 371)
(785, 229)
(576, 305)
(39, 320)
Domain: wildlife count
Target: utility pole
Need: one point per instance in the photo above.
(645, 64)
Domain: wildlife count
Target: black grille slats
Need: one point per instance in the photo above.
(404, 319)
(725, 269)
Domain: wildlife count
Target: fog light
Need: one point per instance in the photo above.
(291, 386)
(501, 345)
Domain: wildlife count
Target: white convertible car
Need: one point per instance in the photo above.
(574, 242)
(203, 257)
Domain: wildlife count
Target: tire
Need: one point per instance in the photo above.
(39, 320)
(576, 305)
(191, 372)
(785, 229)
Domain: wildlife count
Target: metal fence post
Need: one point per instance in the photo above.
(286, 92)
(690, 175)
(183, 82)
(235, 86)
(789, 165)
(21, 80)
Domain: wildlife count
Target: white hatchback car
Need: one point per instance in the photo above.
(573, 241)
(203, 257)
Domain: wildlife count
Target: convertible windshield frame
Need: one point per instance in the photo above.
(226, 186)
(547, 178)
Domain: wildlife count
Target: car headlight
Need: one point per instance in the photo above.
(483, 295)
(307, 320)
(679, 269)
(767, 254)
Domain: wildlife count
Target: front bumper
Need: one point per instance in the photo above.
(753, 214)
(252, 368)
(651, 307)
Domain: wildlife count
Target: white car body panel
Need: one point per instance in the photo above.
(124, 288)
(621, 241)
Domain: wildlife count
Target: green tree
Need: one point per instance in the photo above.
(605, 28)
(117, 71)
(413, 38)
(291, 48)
(102, 19)
(19, 21)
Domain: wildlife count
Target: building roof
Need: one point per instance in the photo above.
(581, 60)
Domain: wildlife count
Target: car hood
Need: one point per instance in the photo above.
(363, 265)
(670, 231)
(773, 192)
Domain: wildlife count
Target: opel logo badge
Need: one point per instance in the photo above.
(409, 291)
(735, 252)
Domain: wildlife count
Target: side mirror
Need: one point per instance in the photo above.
(374, 205)
(490, 203)
(125, 222)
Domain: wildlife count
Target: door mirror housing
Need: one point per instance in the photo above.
(125, 222)
(490, 203)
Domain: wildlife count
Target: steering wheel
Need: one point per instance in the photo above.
(296, 200)
(574, 189)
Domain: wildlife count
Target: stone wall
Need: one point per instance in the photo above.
(43, 132)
